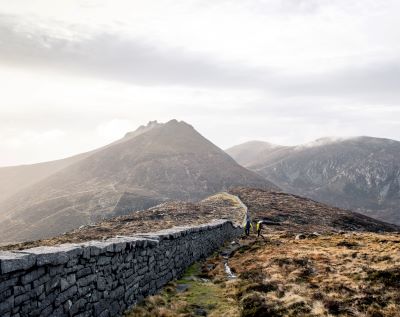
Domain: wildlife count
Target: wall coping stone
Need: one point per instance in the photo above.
(10, 261)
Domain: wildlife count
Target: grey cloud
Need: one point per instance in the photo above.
(113, 57)
(270, 7)
(109, 56)
(374, 82)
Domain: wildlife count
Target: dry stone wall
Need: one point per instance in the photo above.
(102, 278)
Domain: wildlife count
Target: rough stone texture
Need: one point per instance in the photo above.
(102, 278)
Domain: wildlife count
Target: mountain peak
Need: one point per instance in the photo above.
(143, 128)
(154, 125)
(176, 123)
(155, 163)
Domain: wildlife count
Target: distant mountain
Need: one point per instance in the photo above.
(361, 173)
(154, 164)
(251, 152)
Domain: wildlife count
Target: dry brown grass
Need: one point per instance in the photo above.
(353, 274)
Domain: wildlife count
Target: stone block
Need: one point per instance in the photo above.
(55, 270)
(47, 311)
(52, 284)
(6, 305)
(4, 285)
(85, 281)
(33, 275)
(117, 244)
(49, 255)
(6, 294)
(83, 272)
(42, 280)
(21, 298)
(15, 261)
(78, 306)
(37, 291)
(67, 282)
(103, 260)
(64, 296)
(96, 247)
(101, 284)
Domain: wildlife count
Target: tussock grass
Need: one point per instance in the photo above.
(330, 275)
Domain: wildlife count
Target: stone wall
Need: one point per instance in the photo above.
(102, 278)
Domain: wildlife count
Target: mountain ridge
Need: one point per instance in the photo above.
(358, 173)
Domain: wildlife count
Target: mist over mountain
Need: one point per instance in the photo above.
(361, 173)
(251, 152)
(154, 164)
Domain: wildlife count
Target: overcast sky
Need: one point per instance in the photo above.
(77, 74)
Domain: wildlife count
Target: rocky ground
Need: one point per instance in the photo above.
(337, 274)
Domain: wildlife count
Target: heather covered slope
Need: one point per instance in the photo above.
(152, 165)
(361, 174)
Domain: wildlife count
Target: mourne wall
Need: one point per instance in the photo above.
(102, 278)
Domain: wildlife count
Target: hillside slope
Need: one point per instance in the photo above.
(147, 167)
(15, 178)
(362, 173)
(294, 214)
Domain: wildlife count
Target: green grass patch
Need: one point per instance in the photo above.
(200, 294)
(193, 270)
